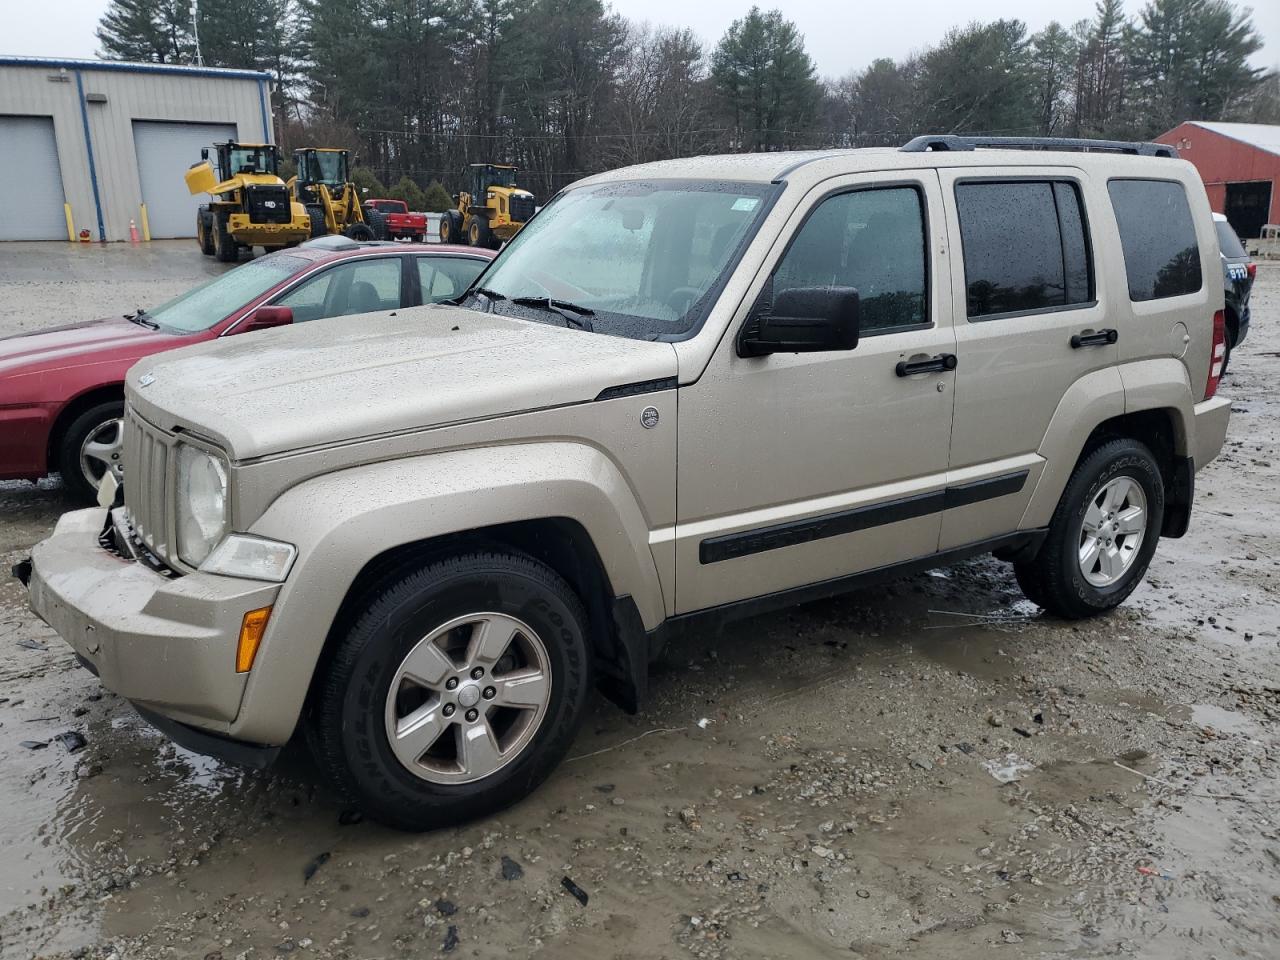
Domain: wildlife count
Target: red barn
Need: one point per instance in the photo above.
(1240, 166)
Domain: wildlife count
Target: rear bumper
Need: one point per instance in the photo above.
(1211, 419)
(167, 645)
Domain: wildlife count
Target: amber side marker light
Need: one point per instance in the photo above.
(252, 627)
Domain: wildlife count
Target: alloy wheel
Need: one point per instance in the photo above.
(468, 698)
(1112, 531)
(103, 450)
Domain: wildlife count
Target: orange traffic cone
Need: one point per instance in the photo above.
(133, 232)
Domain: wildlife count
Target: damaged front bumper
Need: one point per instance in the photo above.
(166, 643)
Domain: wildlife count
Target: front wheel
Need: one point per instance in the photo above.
(92, 444)
(1102, 535)
(456, 692)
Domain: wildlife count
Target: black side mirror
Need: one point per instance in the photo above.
(802, 320)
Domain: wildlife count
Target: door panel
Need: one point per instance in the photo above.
(1018, 272)
(802, 467)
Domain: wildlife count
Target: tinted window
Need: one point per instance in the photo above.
(443, 278)
(872, 240)
(1158, 238)
(1025, 247)
(1228, 242)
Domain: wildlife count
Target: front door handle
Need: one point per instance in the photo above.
(909, 368)
(1098, 338)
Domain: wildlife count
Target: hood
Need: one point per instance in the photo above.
(346, 378)
(77, 343)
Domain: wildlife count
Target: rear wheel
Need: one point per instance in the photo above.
(1101, 536)
(92, 444)
(377, 222)
(224, 245)
(456, 692)
(359, 232)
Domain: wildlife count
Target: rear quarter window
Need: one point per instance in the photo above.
(1158, 237)
(1228, 242)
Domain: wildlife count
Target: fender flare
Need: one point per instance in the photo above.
(341, 521)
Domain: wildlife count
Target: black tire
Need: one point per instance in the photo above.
(479, 234)
(318, 227)
(451, 227)
(204, 233)
(225, 248)
(377, 222)
(91, 421)
(348, 735)
(1053, 578)
(359, 232)
(1228, 346)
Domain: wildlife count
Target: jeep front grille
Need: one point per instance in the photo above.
(147, 482)
(268, 204)
(521, 209)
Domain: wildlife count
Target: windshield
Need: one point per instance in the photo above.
(201, 308)
(499, 177)
(251, 160)
(1228, 242)
(325, 167)
(646, 259)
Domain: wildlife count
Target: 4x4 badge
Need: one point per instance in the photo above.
(649, 417)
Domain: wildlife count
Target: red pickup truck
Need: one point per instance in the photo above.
(400, 222)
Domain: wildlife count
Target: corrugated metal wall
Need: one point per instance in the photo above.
(70, 94)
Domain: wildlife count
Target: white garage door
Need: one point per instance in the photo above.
(30, 181)
(165, 152)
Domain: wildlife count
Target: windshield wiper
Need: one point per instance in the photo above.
(573, 314)
(142, 320)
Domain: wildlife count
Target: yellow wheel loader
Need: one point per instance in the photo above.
(323, 185)
(490, 210)
(250, 205)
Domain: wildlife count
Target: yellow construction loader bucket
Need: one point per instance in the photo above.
(201, 178)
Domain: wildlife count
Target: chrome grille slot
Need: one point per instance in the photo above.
(146, 476)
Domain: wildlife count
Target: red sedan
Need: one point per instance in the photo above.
(61, 389)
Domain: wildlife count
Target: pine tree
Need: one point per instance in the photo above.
(146, 31)
(977, 81)
(767, 81)
(1189, 60)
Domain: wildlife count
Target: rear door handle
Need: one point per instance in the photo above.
(909, 368)
(1099, 338)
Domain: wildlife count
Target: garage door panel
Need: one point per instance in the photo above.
(165, 153)
(31, 197)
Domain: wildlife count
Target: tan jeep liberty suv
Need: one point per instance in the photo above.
(689, 390)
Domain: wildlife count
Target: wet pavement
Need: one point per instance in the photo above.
(823, 782)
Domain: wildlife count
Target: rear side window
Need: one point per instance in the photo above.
(1158, 237)
(1228, 242)
(1026, 248)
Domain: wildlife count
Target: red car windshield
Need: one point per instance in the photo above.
(213, 301)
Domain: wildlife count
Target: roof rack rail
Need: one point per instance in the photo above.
(949, 141)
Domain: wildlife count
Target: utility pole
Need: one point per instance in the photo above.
(195, 30)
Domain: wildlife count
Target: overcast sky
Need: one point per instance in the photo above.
(839, 37)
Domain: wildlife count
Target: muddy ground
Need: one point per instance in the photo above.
(811, 784)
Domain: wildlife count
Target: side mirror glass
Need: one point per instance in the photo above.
(802, 320)
(265, 317)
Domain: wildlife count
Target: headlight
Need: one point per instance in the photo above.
(202, 502)
(255, 558)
